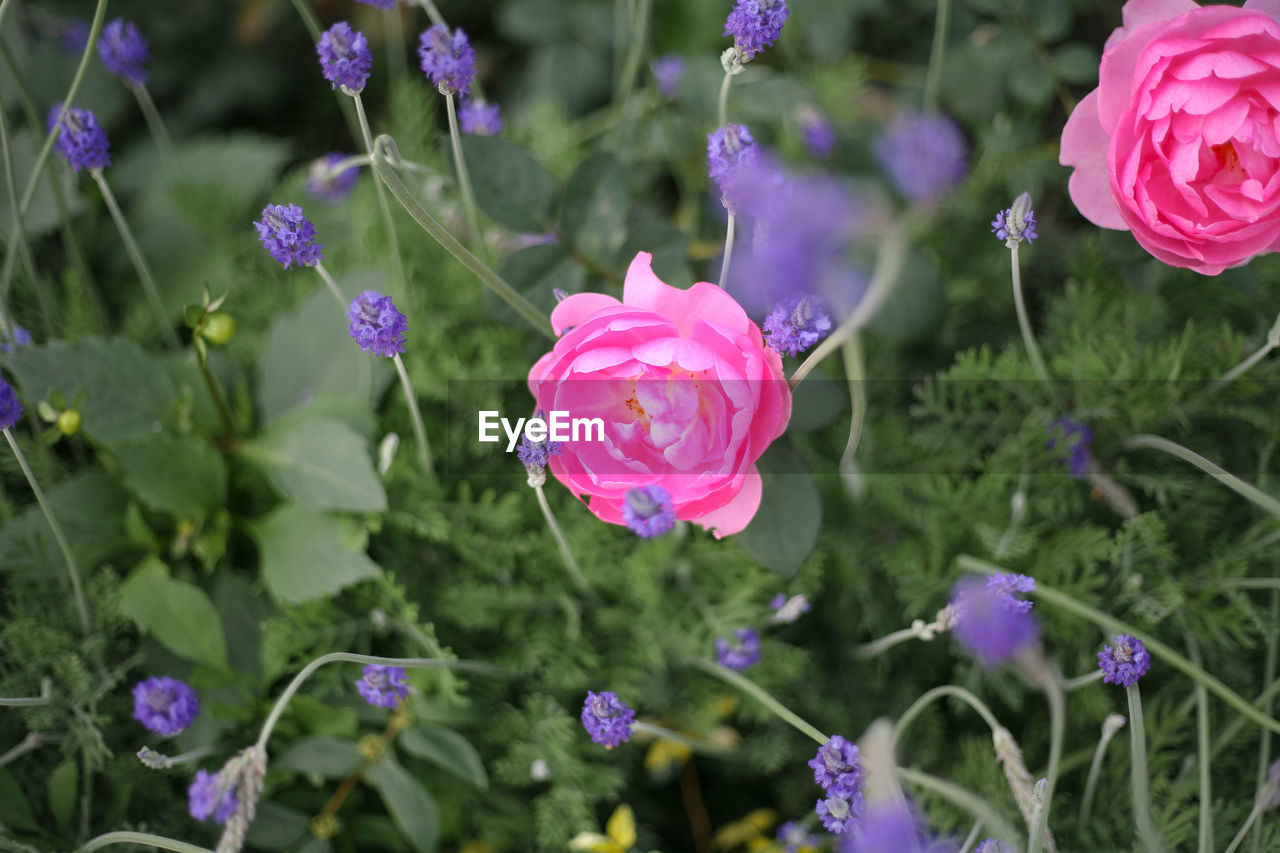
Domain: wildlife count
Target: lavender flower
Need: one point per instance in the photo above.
(124, 50)
(840, 812)
(80, 138)
(535, 454)
(1076, 438)
(648, 511)
(383, 686)
(796, 324)
(819, 136)
(479, 118)
(729, 148)
(991, 623)
(376, 324)
(164, 705)
(10, 408)
(794, 837)
(755, 25)
(1125, 663)
(21, 338)
(345, 58)
(924, 155)
(203, 800)
(1016, 223)
(448, 59)
(838, 767)
(607, 719)
(741, 654)
(289, 236)
(74, 35)
(325, 183)
(1005, 585)
(667, 71)
(790, 609)
(892, 828)
(384, 5)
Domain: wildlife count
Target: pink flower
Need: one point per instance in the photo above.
(688, 394)
(1180, 142)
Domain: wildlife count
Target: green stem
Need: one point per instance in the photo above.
(158, 133)
(1095, 767)
(1251, 493)
(1138, 761)
(1024, 325)
(224, 414)
(6, 322)
(915, 709)
(346, 657)
(972, 838)
(566, 555)
(728, 249)
(1202, 754)
(752, 689)
(73, 571)
(30, 743)
(522, 306)
(333, 287)
(933, 77)
(1269, 675)
(432, 12)
(1273, 340)
(1071, 684)
(1057, 727)
(1244, 830)
(393, 241)
(46, 692)
(684, 740)
(966, 800)
(464, 180)
(635, 54)
(135, 255)
(855, 375)
(722, 102)
(888, 641)
(1233, 728)
(419, 431)
(393, 33)
(157, 841)
(1113, 626)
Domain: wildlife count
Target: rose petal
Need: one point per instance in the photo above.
(734, 516)
(1084, 146)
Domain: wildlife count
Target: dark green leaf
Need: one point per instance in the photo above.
(15, 811)
(509, 184)
(1077, 62)
(325, 756)
(785, 528)
(179, 614)
(62, 783)
(411, 806)
(91, 511)
(593, 213)
(918, 305)
(320, 463)
(448, 749)
(176, 473)
(536, 272)
(303, 557)
(276, 827)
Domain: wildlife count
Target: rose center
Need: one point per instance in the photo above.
(1229, 158)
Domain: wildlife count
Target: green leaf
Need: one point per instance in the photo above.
(320, 463)
(509, 184)
(325, 756)
(536, 272)
(179, 614)
(90, 509)
(62, 784)
(176, 473)
(785, 528)
(42, 215)
(411, 806)
(276, 827)
(1077, 62)
(918, 305)
(448, 749)
(593, 213)
(304, 558)
(15, 811)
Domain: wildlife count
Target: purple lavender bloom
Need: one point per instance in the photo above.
(840, 812)
(990, 622)
(796, 324)
(1076, 437)
(819, 136)
(648, 511)
(755, 25)
(924, 155)
(376, 324)
(164, 705)
(742, 653)
(1125, 663)
(383, 686)
(384, 5)
(324, 183)
(21, 338)
(1005, 585)
(124, 50)
(345, 58)
(892, 828)
(289, 236)
(606, 719)
(10, 408)
(535, 454)
(667, 71)
(74, 35)
(479, 118)
(448, 59)
(794, 837)
(838, 767)
(1006, 229)
(203, 801)
(728, 149)
(80, 138)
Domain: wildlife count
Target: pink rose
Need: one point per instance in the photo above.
(1180, 142)
(688, 393)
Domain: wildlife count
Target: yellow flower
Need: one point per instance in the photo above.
(747, 831)
(665, 755)
(621, 834)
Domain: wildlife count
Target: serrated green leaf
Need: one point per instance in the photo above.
(303, 556)
(180, 615)
(325, 756)
(785, 528)
(448, 749)
(510, 186)
(176, 473)
(411, 806)
(321, 463)
(593, 212)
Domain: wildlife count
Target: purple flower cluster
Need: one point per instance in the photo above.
(345, 57)
(755, 25)
(990, 621)
(1124, 664)
(1076, 439)
(838, 769)
(893, 828)
(164, 705)
(795, 324)
(1007, 230)
(924, 155)
(10, 408)
(80, 138)
(325, 183)
(203, 800)
(729, 148)
(124, 51)
(607, 719)
(818, 134)
(479, 118)
(289, 236)
(383, 686)
(376, 324)
(742, 653)
(74, 35)
(648, 511)
(667, 71)
(448, 59)
(794, 837)
(21, 338)
(535, 454)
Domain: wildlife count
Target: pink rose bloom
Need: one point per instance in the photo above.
(1180, 142)
(688, 393)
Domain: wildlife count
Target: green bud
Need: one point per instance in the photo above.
(219, 328)
(69, 422)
